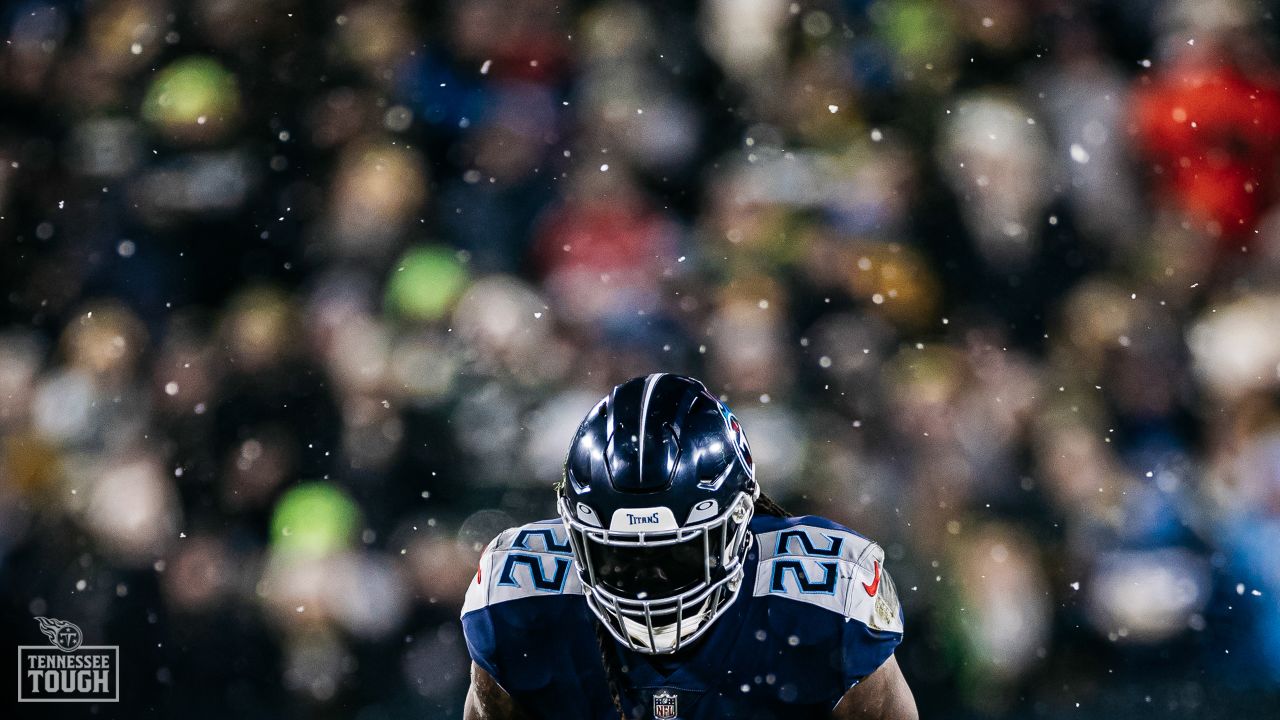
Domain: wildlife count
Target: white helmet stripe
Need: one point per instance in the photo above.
(649, 383)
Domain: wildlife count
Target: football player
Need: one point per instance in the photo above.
(670, 587)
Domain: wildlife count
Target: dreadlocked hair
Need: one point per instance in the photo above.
(611, 672)
(766, 505)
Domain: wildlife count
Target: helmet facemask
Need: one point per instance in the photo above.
(657, 592)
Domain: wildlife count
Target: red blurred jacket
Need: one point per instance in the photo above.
(1215, 134)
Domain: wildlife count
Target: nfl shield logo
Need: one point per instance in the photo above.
(664, 705)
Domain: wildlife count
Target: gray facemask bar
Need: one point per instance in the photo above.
(709, 598)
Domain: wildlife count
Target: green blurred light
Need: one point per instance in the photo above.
(920, 31)
(315, 518)
(425, 283)
(190, 89)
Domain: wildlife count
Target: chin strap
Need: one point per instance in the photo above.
(688, 625)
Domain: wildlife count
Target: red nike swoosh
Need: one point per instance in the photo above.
(875, 583)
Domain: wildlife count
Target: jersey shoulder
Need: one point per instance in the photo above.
(530, 561)
(826, 566)
(524, 618)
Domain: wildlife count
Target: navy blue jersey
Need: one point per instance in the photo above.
(816, 614)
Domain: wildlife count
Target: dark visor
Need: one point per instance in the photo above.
(647, 573)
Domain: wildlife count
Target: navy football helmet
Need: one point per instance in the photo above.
(658, 490)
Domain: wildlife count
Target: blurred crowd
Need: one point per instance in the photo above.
(302, 302)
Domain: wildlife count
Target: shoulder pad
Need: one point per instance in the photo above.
(816, 561)
(529, 561)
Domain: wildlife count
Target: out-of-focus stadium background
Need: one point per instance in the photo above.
(302, 301)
